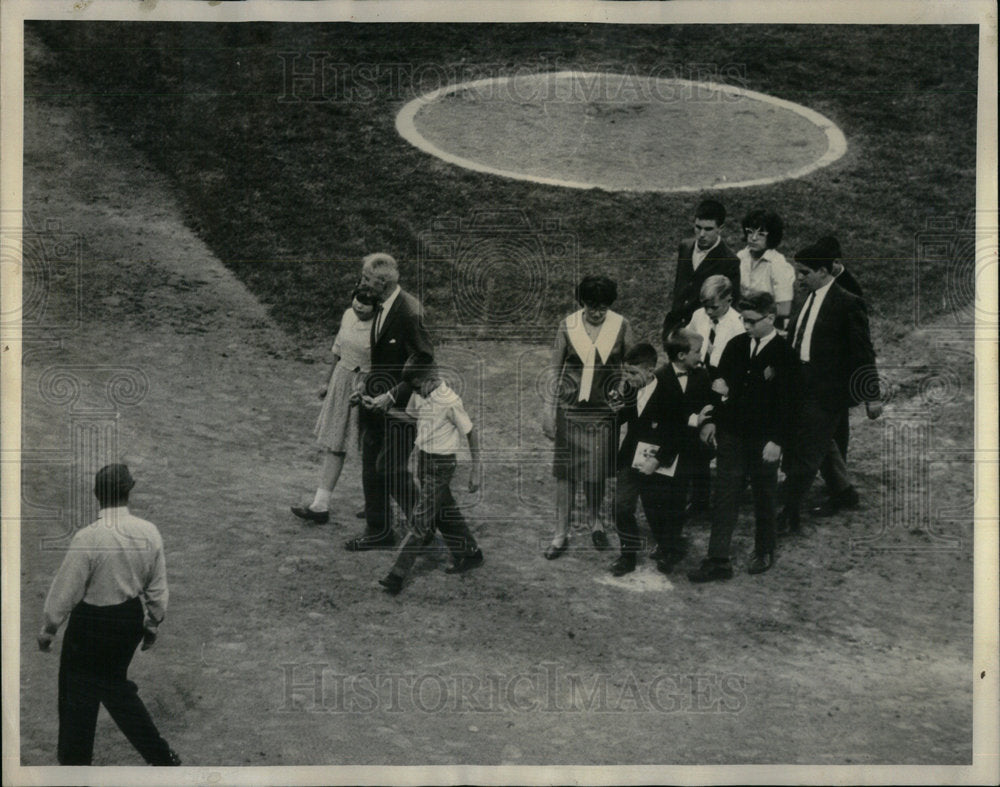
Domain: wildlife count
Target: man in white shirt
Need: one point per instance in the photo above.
(111, 566)
(831, 339)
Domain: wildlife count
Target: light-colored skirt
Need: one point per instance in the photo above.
(337, 425)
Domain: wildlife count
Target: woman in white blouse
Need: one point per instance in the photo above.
(762, 267)
(337, 425)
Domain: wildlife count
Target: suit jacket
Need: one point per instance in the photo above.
(841, 370)
(760, 404)
(688, 281)
(402, 334)
(664, 419)
(848, 282)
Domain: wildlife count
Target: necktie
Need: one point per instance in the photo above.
(753, 348)
(376, 324)
(711, 333)
(803, 319)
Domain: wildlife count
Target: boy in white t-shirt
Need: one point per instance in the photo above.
(443, 427)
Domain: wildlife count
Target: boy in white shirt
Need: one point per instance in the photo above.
(442, 427)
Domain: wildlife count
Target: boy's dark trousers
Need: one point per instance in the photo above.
(97, 648)
(435, 509)
(663, 503)
(736, 458)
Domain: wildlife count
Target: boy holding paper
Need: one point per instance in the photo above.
(664, 412)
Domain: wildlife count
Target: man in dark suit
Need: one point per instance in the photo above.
(663, 419)
(749, 429)
(398, 333)
(699, 257)
(830, 336)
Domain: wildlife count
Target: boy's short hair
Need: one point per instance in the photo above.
(596, 290)
(766, 220)
(418, 367)
(717, 286)
(641, 353)
(711, 210)
(680, 340)
(758, 301)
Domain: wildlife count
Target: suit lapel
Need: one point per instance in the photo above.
(389, 318)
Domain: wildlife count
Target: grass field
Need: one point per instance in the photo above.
(167, 149)
(290, 182)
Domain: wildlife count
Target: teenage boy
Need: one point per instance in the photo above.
(442, 423)
(749, 428)
(663, 419)
(699, 257)
(717, 322)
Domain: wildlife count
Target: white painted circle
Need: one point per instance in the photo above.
(620, 132)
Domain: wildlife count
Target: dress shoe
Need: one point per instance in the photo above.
(392, 584)
(711, 571)
(623, 565)
(364, 543)
(847, 498)
(760, 563)
(787, 523)
(319, 517)
(553, 551)
(600, 539)
(670, 558)
(465, 563)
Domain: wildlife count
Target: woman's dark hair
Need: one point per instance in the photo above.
(766, 220)
(596, 290)
(365, 296)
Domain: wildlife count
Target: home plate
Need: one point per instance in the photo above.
(643, 579)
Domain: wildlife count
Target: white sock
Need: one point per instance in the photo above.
(322, 501)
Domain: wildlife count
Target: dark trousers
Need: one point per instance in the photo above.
(97, 649)
(829, 469)
(386, 444)
(701, 476)
(813, 443)
(435, 510)
(663, 501)
(736, 458)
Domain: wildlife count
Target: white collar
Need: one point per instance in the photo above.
(591, 351)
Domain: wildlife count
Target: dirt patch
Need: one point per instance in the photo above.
(839, 655)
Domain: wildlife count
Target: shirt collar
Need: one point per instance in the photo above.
(706, 251)
(761, 343)
(387, 303)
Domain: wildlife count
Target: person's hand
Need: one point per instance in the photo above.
(707, 435)
(705, 414)
(720, 387)
(771, 453)
(649, 465)
(874, 409)
(148, 636)
(549, 426)
(45, 640)
(474, 477)
(382, 402)
(321, 393)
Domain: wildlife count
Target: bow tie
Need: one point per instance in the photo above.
(681, 374)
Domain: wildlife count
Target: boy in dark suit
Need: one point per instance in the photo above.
(749, 428)
(831, 339)
(699, 257)
(663, 417)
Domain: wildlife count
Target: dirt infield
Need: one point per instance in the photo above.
(279, 649)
